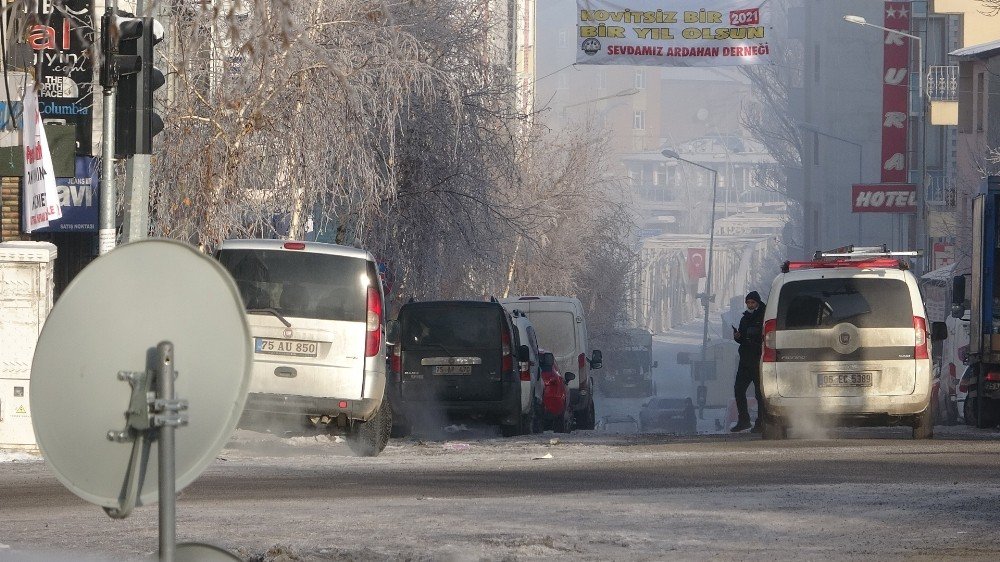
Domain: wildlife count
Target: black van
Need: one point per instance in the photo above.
(457, 359)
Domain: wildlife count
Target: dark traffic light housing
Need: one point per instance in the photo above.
(127, 47)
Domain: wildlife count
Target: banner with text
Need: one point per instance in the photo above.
(698, 33)
(884, 198)
(41, 199)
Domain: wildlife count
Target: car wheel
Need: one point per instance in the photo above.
(774, 430)
(969, 411)
(588, 419)
(368, 439)
(923, 426)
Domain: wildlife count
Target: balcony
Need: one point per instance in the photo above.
(942, 83)
(940, 192)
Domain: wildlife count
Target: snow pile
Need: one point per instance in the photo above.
(13, 455)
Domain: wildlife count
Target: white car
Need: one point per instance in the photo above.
(531, 383)
(846, 343)
(315, 315)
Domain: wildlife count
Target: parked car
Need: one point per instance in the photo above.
(315, 314)
(531, 381)
(562, 328)
(557, 411)
(618, 424)
(673, 415)
(846, 340)
(459, 359)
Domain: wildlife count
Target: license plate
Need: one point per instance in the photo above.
(295, 348)
(991, 386)
(452, 369)
(845, 379)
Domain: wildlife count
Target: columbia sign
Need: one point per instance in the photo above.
(884, 198)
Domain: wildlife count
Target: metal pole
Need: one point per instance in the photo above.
(708, 277)
(165, 453)
(922, 192)
(107, 230)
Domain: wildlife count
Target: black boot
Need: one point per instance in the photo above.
(740, 426)
(758, 427)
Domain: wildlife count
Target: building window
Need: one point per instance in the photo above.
(639, 120)
(980, 101)
(640, 79)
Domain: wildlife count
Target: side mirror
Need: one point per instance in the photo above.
(392, 332)
(683, 358)
(569, 377)
(523, 354)
(958, 289)
(656, 364)
(596, 359)
(939, 331)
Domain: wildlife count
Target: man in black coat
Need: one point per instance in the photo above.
(750, 337)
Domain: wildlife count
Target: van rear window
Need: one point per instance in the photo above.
(556, 331)
(824, 303)
(448, 328)
(301, 284)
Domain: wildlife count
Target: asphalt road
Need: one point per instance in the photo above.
(861, 494)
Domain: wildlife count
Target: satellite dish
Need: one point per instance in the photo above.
(106, 329)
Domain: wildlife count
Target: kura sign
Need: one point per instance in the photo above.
(884, 198)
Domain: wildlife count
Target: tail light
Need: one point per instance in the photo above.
(992, 376)
(963, 387)
(526, 371)
(373, 323)
(294, 245)
(951, 371)
(508, 359)
(582, 361)
(396, 361)
(770, 352)
(920, 350)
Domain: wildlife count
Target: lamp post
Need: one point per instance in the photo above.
(711, 245)
(814, 129)
(921, 196)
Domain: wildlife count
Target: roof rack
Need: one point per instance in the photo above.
(860, 257)
(863, 252)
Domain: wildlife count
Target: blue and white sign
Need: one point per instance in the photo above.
(79, 198)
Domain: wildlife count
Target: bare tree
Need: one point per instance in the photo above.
(990, 7)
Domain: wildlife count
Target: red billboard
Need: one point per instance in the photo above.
(895, 92)
(884, 198)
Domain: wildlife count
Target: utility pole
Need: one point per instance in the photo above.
(107, 229)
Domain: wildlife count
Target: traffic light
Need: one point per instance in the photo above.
(127, 46)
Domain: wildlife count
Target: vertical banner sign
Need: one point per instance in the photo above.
(60, 42)
(895, 93)
(676, 33)
(41, 200)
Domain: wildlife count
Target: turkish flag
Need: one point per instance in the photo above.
(696, 263)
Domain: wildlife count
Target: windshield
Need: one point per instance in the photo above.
(618, 360)
(301, 284)
(450, 326)
(556, 331)
(824, 303)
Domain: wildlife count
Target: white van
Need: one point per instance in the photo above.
(846, 343)
(561, 328)
(315, 314)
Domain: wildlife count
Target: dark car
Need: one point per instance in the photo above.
(672, 415)
(455, 359)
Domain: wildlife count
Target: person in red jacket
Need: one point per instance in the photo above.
(555, 398)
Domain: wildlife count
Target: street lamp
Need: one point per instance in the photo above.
(711, 245)
(921, 196)
(814, 129)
